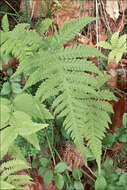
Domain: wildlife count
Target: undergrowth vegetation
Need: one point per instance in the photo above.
(69, 88)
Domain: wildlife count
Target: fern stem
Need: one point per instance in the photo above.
(87, 175)
(50, 149)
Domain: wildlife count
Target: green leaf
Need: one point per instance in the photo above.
(125, 120)
(100, 183)
(5, 57)
(8, 135)
(16, 88)
(60, 167)
(33, 139)
(44, 25)
(108, 162)
(44, 162)
(109, 139)
(122, 180)
(15, 152)
(41, 171)
(89, 154)
(32, 106)
(104, 45)
(48, 177)
(15, 79)
(5, 185)
(59, 181)
(111, 187)
(114, 39)
(123, 138)
(78, 185)
(6, 89)
(35, 163)
(77, 174)
(5, 23)
(9, 71)
(4, 116)
(5, 101)
(25, 125)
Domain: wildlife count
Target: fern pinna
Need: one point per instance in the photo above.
(67, 75)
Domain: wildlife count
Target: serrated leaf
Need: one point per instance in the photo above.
(60, 167)
(59, 181)
(48, 177)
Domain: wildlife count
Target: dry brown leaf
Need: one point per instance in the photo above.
(112, 9)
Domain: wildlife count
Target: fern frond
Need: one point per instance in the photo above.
(8, 135)
(70, 29)
(80, 65)
(80, 51)
(76, 85)
(14, 152)
(32, 106)
(5, 186)
(11, 167)
(9, 178)
(5, 23)
(19, 179)
(44, 25)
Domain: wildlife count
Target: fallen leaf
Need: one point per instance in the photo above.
(112, 9)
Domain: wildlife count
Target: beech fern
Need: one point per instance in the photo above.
(76, 84)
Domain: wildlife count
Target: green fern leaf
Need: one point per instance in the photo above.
(22, 120)
(44, 25)
(20, 179)
(5, 185)
(14, 152)
(12, 166)
(114, 39)
(33, 140)
(80, 51)
(5, 23)
(8, 135)
(32, 106)
(76, 85)
(70, 29)
(4, 116)
(104, 45)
